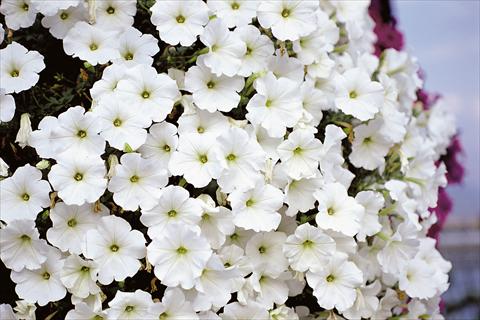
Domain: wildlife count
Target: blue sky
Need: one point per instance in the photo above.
(445, 37)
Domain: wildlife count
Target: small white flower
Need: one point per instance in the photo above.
(24, 131)
(372, 202)
(71, 223)
(256, 209)
(174, 306)
(80, 276)
(265, 251)
(41, 285)
(417, 279)
(40, 139)
(300, 153)
(21, 246)
(288, 19)
(299, 194)
(131, 305)
(308, 247)
(61, 22)
(179, 21)
(114, 14)
(334, 285)
(18, 13)
(136, 48)
(115, 247)
(225, 49)
(276, 105)
(203, 123)
(120, 124)
(137, 182)
(23, 195)
(91, 43)
(153, 93)
(338, 211)
(196, 160)
(366, 303)
(174, 206)
(105, 88)
(79, 179)
(357, 95)
(162, 141)
(211, 92)
(19, 68)
(179, 256)
(235, 13)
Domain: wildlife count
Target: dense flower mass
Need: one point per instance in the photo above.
(220, 159)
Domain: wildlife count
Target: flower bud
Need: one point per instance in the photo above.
(24, 131)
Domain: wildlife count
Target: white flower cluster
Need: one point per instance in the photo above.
(281, 159)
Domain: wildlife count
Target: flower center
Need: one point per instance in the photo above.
(145, 94)
(180, 19)
(227, 264)
(134, 178)
(210, 84)
(367, 140)
(129, 56)
(85, 269)
(235, 6)
(25, 7)
(307, 244)
(172, 213)
(46, 275)
(182, 250)
(205, 217)
(25, 238)
(72, 223)
(163, 316)
(268, 103)
(15, 73)
(262, 250)
(249, 202)
(330, 278)
(166, 148)
(330, 211)
(249, 51)
(285, 13)
(214, 48)
(64, 15)
(231, 157)
(203, 158)
(114, 248)
(97, 317)
(234, 236)
(353, 94)
(117, 122)
(78, 176)
(81, 134)
(297, 151)
(93, 47)
(110, 10)
(129, 308)
(25, 197)
(200, 129)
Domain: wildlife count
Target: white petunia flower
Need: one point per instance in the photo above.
(299, 194)
(80, 276)
(196, 160)
(105, 88)
(153, 93)
(265, 251)
(334, 285)
(417, 279)
(225, 49)
(174, 306)
(40, 139)
(21, 247)
(19, 68)
(79, 179)
(23, 195)
(369, 147)
(71, 223)
(314, 102)
(308, 247)
(357, 95)
(216, 223)
(49, 8)
(179, 256)
(366, 303)
(162, 141)
(41, 285)
(203, 123)
(211, 92)
(288, 19)
(137, 182)
(136, 48)
(91, 43)
(77, 132)
(116, 248)
(276, 105)
(131, 305)
(174, 206)
(300, 154)
(24, 131)
(62, 21)
(7, 106)
(114, 14)
(235, 13)
(252, 310)
(338, 211)
(120, 124)
(259, 48)
(83, 311)
(18, 13)
(372, 202)
(179, 21)
(256, 209)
